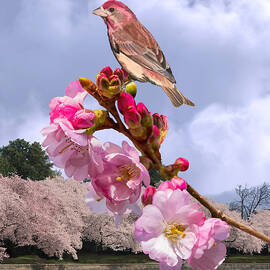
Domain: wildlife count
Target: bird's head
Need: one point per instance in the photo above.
(115, 14)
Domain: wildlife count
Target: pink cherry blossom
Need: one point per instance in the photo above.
(208, 252)
(71, 109)
(165, 228)
(121, 179)
(77, 153)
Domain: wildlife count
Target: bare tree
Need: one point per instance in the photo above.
(251, 199)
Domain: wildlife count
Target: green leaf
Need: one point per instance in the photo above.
(155, 177)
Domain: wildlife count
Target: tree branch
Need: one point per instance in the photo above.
(218, 214)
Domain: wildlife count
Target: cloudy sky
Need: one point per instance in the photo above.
(218, 51)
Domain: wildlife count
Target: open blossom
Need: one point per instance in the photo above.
(208, 252)
(75, 152)
(165, 228)
(121, 180)
(67, 143)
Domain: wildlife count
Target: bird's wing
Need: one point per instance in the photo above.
(137, 43)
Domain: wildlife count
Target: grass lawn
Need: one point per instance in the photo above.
(121, 258)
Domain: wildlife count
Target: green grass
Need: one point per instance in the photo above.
(101, 258)
(91, 258)
(248, 259)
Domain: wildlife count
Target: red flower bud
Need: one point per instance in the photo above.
(182, 164)
(142, 110)
(157, 120)
(102, 81)
(164, 129)
(118, 72)
(125, 102)
(179, 183)
(155, 131)
(132, 118)
(107, 71)
(148, 194)
(108, 86)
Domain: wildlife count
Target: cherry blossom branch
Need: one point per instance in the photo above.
(146, 150)
(143, 147)
(218, 214)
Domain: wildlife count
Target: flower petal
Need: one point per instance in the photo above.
(150, 224)
(159, 249)
(211, 258)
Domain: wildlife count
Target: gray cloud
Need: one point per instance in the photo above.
(217, 50)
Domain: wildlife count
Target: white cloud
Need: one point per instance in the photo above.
(226, 145)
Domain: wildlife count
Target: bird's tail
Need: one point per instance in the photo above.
(176, 97)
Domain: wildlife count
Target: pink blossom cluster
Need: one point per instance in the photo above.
(171, 229)
(116, 187)
(141, 123)
(67, 142)
(116, 172)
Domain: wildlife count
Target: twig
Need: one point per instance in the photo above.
(218, 214)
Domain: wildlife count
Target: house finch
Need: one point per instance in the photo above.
(137, 51)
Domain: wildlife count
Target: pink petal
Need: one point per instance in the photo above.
(183, 247)
(211, 258)
(189, 214)
(159, 249)
(80, 139)
(118, 208)
(169, 202)
(95, 203)
(130, 151)
(150, 224)
(164, 266)
(73, 89)
(112, 148)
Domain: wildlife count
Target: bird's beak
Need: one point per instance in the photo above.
(100, 12)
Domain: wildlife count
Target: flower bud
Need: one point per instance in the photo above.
(87, 85)
(147, 120)
(100, 118)
(153, 140)
(179, 183)
(125, 102)
(164, 129)
(132, 118)
(182, 164)
(83, 119)
(108, 86)
(131, 88)
(107, 71)
(123, 76)
(148, 194)
(157, 120)
(165, 185)
(161, 121)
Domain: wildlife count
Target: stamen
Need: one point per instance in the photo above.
(66, 147)
(174, 231)
(127, 172)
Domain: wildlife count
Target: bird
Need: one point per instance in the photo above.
(137, 51)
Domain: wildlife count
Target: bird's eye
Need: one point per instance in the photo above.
(111, 9)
